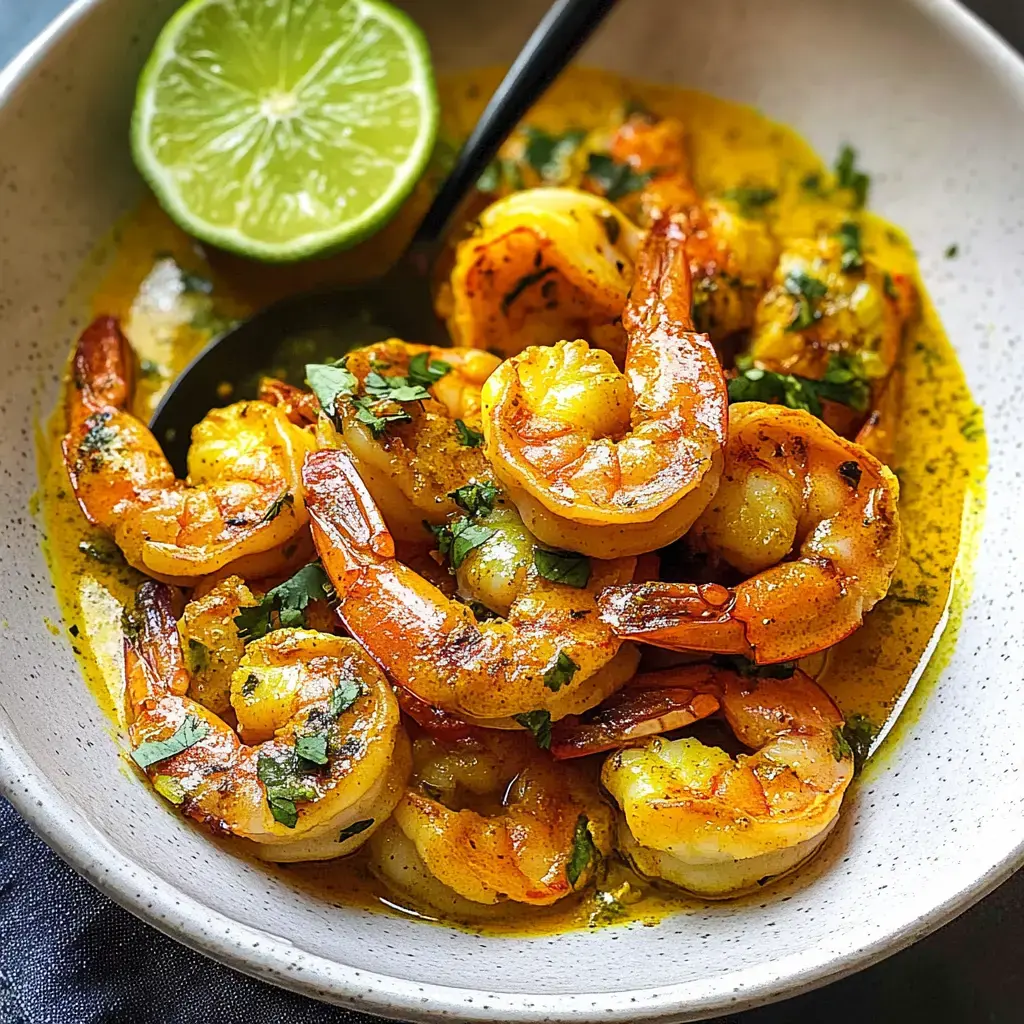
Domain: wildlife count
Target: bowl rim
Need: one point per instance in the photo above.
(276, 960)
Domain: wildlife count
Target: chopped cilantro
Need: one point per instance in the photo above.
(197, 656)
(498, 172)
(102, 549)
(840, 745)
(607, 908)
(395, 388)
(284, 787)
(312, 747)
(562, 567)
(377, 414)
(476, 499)
(426, 371)
(188, 734)
(583, 852)
(859, 733)
(614, 179)
(812, 184)
(560, 672)
(853, 253)
(343, 696)
(842, 383)
(848, 176)
(890, 287)
(277, 505)
(457, 539)
(355, 829)
(539, 723)
(807, 292)
(549, 154)
(329, 382)
(751, 200)
(286, 603)
(468, 436)
(952, 251)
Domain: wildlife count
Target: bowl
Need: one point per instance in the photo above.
(934, 102)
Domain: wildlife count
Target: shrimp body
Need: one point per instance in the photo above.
(810, 517)
(433, 645)
(519, 850)
(322, 757)
(718, 825)
(242, 502)
(545, 264)
(606, 463)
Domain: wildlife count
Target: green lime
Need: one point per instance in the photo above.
(283, 129)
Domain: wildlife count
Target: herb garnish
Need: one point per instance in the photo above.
(286, 603)
(103, 550)
(197, 655)
(583, 851)
(526, 281)
(808, 292)
(426, 371)
(952, 251)
(751, 200)
(614, 179)
(312, 747)
(355, 829)
(751, 670)
(848, 176)
(188, 734)
(498, 172)
(849, 237)
(457, 539)
(329, 382)
(840, 746)
(548, 154)
(284, 787)
(560, 672)
(562, 567)
(859, 733)
(539, 723)
(842, 383)
(277, 506)
(476, 499)
(468, 436)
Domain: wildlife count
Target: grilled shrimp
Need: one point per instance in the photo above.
(543, 265)
(497, 819)
(810, 517)
(718, 825)
(550, 654)
(242, 504)
(731, 255)
(322, 759)
(614, 463)
(412, 466)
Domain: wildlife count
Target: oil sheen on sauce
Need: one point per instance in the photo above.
(940, 451)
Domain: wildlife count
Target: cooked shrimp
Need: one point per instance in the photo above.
(543, 265)
(613, 463)
(791, 486)
(718, 825)
(323, 758)
(542, 841)
(242, 504)
(551, 653)
(731, 254)
(412, 466)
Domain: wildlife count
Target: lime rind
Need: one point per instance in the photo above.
(304, 174)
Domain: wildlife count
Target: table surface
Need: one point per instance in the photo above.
(969, 971)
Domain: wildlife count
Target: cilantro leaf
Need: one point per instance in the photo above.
(808, 292)
(426, 371)
(843, 383)
(498, 172)
(102, 549)
(277, 506)
(614, 179)
(343, 696)
(539, 723)
(848, 176)
(853, 253)
(476, 499)
(840, 746)
(354, 829)
(457, 539)
(751, 200)
(197, 655)
(468, 436)
(549, 154)
(312, 747)
(283, 787)
(583, 851)
(377, 414)
(188, 734)
(560, 672)
(286, 603)
(562, 567)
(395, 388)
(859, 733)
(329, 382)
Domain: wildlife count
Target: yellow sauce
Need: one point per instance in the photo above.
(940, 453)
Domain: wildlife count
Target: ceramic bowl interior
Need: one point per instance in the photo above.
(934, 102)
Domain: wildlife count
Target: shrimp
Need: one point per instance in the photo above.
(412, 465)
(606, 463)
(543, 840)
(542, 265)
(551, 654)
(322, 758)
(731, 253)
(718, 825)
(791, 485)
(242, 504)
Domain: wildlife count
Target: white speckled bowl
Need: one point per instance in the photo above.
(934, 101)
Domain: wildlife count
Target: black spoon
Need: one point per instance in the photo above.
(400, 303)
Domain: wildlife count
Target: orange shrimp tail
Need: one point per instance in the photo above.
(102, 369)
(153, 660)
(678, 616)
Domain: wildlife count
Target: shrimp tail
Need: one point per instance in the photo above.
(153, 659)
(103, 367)
(678, 616)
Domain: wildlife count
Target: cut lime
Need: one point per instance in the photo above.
(283, 129)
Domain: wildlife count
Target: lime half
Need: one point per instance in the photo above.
(283, 129)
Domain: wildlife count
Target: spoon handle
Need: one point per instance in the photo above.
(555, 41)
